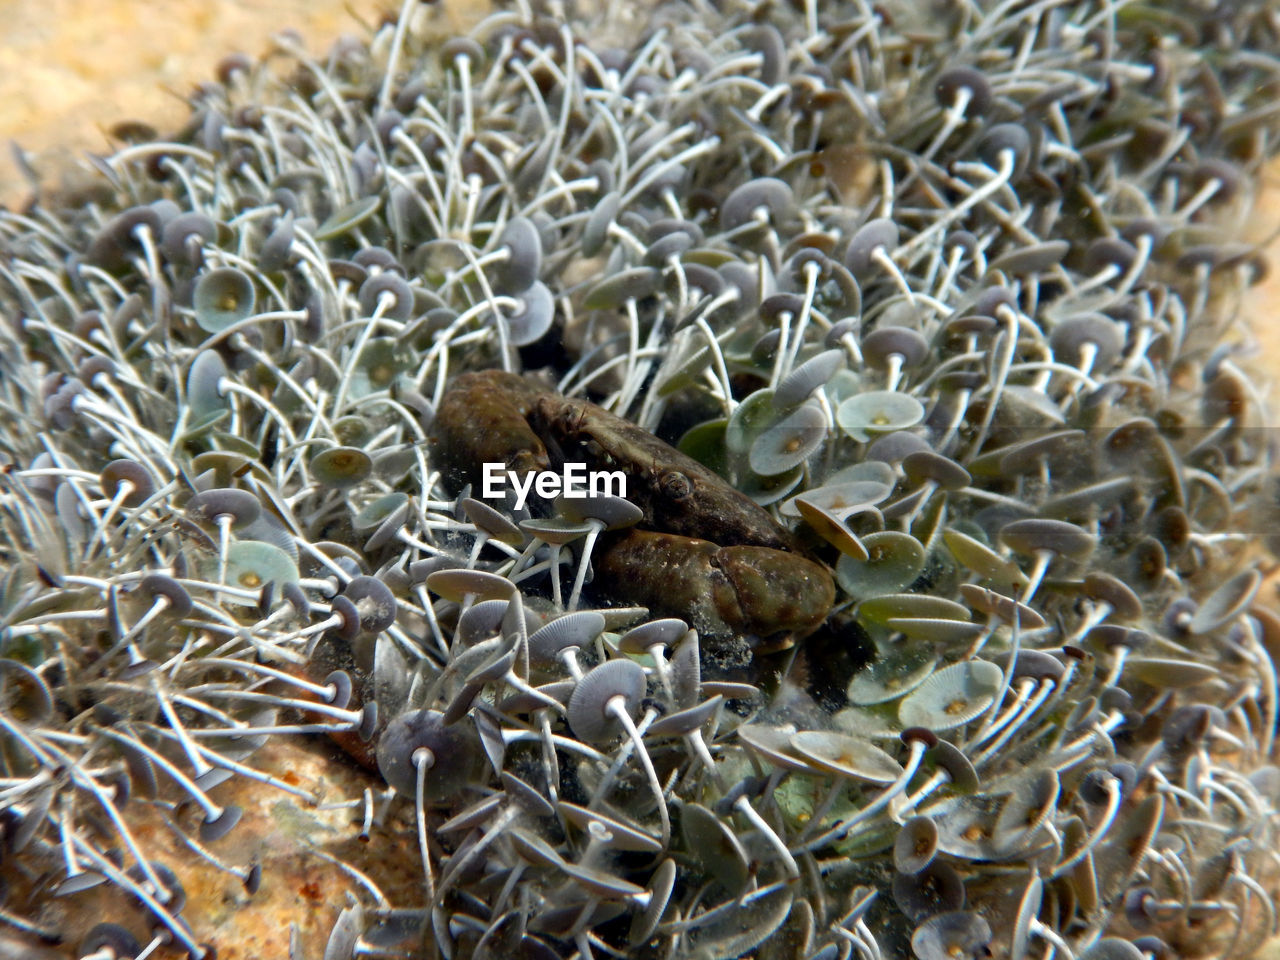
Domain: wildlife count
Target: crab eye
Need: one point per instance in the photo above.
(589, 451)
(675, 485)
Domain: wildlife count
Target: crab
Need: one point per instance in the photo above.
(703, 551)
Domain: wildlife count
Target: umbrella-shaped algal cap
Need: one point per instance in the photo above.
(936, 889)
(590, 712)
(916, 845)
(957, 935)
(453, 754)
(222, 298)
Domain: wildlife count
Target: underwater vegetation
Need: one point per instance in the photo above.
(931, 628)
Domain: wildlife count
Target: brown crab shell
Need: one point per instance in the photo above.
(772, 595)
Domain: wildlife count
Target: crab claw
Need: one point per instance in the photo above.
(724, 592)
(482, 418)
(773, 591)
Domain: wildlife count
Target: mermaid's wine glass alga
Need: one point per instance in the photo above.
(950, 291)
